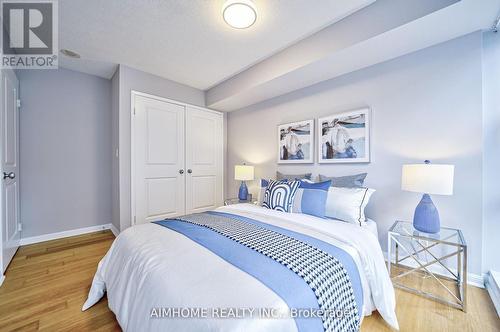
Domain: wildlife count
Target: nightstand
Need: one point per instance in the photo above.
(429, 256)
(231, 201)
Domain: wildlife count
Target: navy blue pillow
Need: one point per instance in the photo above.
(311, 198)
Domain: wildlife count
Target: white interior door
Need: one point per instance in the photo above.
(159, 177)
(204, 158)
(10, 167)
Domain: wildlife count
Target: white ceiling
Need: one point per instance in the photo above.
(386, 30)
(186, 40)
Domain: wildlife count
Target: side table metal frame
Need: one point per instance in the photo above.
(424, 245)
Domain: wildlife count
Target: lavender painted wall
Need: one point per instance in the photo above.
(426, 105)
(65, 151)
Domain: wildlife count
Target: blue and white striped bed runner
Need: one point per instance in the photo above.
(305, 272)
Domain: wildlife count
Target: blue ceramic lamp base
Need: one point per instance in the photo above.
(243, 194)
(426, 217)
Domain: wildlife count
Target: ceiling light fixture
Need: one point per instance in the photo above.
(70, 53)
(239, 14)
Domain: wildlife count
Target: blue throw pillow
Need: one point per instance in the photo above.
(280, 195)
(311, 198)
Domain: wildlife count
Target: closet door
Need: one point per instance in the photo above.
(204, 160)
(158, 153)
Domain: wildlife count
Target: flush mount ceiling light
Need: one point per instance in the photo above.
(70, 53)
(239, 14)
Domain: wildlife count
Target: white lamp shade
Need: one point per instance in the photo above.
(428, 178)
(243, 172)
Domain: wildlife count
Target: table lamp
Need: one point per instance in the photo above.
(243, 173)
(428, 179)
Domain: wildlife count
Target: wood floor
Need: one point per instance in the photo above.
(47, 283)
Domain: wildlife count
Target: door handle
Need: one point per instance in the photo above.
(190, 171)
(10, 175)
(181, 171)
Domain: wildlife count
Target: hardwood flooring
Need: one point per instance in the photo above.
(47, 283)
(416, 313)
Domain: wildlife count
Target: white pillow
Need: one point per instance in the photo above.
(348, 204)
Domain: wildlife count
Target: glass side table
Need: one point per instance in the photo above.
(231, 201)
(437, 249)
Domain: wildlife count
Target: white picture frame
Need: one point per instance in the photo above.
(296, 142)
(344, 137)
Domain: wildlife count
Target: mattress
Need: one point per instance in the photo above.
(152, 266)
(372, 227)
(369, 225)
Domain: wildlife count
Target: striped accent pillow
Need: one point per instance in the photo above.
(279, 195)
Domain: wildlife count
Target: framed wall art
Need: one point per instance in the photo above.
(295, 142)
(344, 137)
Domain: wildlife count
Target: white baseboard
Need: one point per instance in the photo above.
(475, 280)
(492, 283)
(2, 278)
(472, 279)
(60, 235)
(114, 230)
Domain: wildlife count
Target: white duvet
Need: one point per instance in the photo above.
(149, 266)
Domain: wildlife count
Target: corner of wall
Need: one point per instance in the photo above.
(130, 79)
(490, 141)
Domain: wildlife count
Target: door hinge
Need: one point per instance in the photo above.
(18, 103)
(19, 227)
(134, 110)
(135, 221)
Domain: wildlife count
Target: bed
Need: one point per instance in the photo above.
(151, 267)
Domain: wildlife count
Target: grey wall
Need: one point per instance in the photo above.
(115, 166)
(491, 157)
(76, 128)
(426, 105)
(65, 151)
(132, 79)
